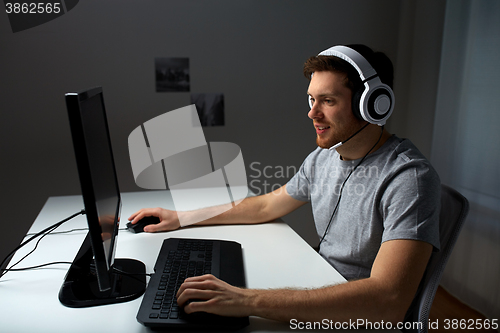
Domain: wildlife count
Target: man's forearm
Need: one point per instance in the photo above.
(362, 299)
(248, 211)
(386, 295)
(262, 208)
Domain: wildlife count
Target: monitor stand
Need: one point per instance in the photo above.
(81, 289)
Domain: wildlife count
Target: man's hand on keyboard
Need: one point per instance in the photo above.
(213, 296)
(168, 219)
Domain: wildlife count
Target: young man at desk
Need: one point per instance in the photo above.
(375, 201)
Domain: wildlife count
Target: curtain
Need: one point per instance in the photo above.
(466, 146)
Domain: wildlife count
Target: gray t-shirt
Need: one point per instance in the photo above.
(393, 194)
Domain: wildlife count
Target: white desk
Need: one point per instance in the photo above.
(274, 256)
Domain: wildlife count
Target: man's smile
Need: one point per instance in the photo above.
(320, 129)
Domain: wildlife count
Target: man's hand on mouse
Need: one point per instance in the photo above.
(168, 219)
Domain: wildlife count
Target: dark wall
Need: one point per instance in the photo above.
(251, 51)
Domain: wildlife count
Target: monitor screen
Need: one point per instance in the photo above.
(93, 277)
(99, 185)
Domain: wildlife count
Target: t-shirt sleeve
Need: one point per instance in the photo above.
(298, 187)
(410, 204)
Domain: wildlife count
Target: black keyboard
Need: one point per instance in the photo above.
(182, 258)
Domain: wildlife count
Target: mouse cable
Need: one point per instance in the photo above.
(60, 232)
(68, 231)
(119, 271)
(42, 233)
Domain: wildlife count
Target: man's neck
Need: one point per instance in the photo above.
(358, 146)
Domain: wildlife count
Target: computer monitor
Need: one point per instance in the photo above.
(95, 276)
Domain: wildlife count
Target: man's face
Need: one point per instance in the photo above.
(331, 110)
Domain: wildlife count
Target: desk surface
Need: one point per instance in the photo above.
(274, 256)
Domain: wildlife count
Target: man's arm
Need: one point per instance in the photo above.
(386, 295)
(263, 208)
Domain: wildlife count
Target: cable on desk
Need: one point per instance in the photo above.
(115, 270)
(38, 266)
(42, 233)
(132, 275)
(69, 231)
(61, 232)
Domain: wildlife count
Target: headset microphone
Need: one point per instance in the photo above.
(349, 138)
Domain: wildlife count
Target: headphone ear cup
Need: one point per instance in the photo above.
(377, 102)
(355, 103)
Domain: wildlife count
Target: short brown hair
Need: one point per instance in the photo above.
(336, 65)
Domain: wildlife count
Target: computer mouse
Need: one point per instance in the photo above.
(139, 226)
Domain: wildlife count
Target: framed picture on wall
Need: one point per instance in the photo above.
(172, 74)
(210, 108)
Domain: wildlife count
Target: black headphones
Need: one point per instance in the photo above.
(375, 102)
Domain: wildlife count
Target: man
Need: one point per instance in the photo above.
(375, 201)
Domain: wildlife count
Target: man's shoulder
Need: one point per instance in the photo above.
(402, 155)
(406, 148)
(402, 151)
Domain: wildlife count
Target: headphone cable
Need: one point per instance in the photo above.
(342, 187)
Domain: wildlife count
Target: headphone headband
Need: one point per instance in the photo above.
(353, 57)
